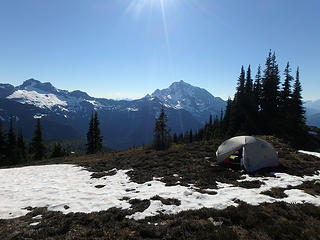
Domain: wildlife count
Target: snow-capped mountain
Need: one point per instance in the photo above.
(181, 95)
(66, 114)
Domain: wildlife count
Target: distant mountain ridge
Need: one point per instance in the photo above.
(124, 123)
(313, 112)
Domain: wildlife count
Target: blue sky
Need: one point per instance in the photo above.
(128, 48)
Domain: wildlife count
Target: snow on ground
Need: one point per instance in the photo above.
(316, 154)
(69, 188)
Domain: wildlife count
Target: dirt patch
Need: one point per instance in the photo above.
(267, 221)
(138, 205)
(276, 193)
(167, 201)
(310, 187)
(249, 184)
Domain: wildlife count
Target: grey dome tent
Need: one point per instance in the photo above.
(256, 153)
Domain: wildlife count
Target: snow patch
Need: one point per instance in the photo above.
(37, 99)
(55, 186)
(132, 109)
(316, 154)
(34, 224)
(39, 115)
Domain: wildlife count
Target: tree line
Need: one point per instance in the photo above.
(263, 106)
(15, 150)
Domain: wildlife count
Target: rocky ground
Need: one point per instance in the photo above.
(189, 164)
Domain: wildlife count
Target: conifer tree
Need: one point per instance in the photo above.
(180, 138)
(97, 138)
(248, 84)
(270, 95)
(161, 132)
(90, 137)
(285, 103)
(175, 138)
(297, 103)
(248, 125)
(190, 136)
(22, 151)
(257, 89)
(94, 139)
(11, 152)
(226, 119)
(237, 108)
(285, 93)
(241, 85)
(58, 151)
(37, 145)
(2, 146)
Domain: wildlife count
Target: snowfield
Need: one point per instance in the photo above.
(38, 99)
(70, 188)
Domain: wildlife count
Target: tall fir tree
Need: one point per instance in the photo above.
(190, 136)
(90, 137)
(175, 138)
(11, 151)
(161, 139)
(226, 118)
(248, 125)
(21, 146)
(37, 145)
(270, 95)
(237, 116)
(97, 138)
(94, 138)
(2, 146)
(285, 94)
(257, 95)
(248, 84)
(257, 89)
(285, 103)
(58, 151)
(298, 110)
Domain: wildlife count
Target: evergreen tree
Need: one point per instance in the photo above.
(241, 85)
(22, 151)
(248, 125)
(180, 138)
(270, 95)
(297, 103)
(285, 93)
(2, 146)
(237, 115)
(94, 139)
(11, 152)
(161, 132)
(190, 136)
(97, 138)
(58, 151)
(186, 137)
(248, 84)
(90, 137)
(257, 95)
(37, 146)
(175, 138)
(226, 119)
(285, 103)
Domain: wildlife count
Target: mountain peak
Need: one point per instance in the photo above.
(30, 82)
(35, 85)
(182, 95)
